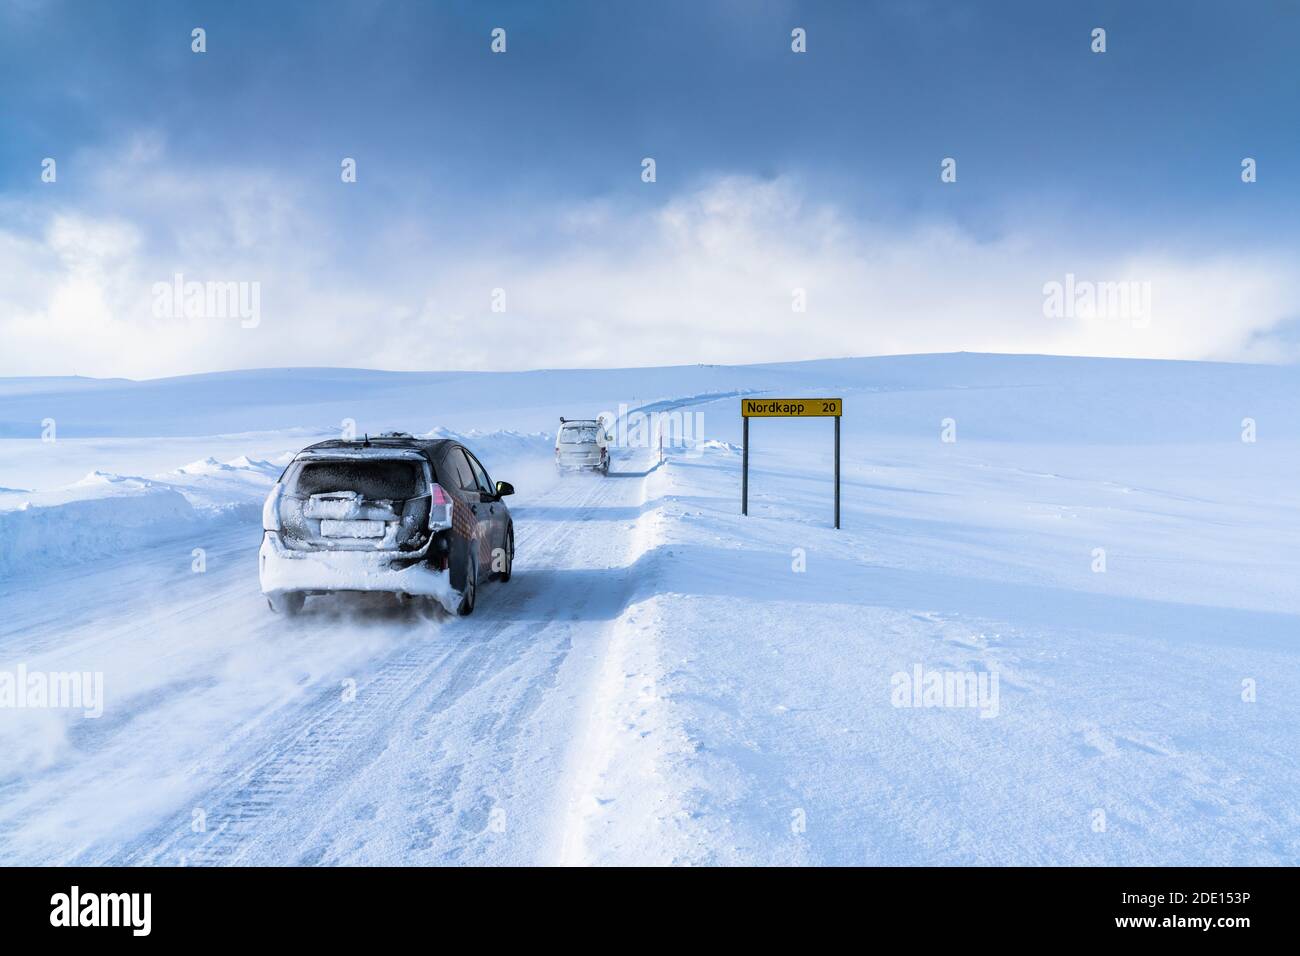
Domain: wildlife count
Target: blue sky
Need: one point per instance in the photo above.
(522, 171)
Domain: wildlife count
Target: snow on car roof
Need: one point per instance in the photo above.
(427, 448)
(414, 454)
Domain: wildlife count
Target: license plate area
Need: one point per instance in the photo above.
(350, 528)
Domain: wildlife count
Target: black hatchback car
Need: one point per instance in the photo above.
(410, 516)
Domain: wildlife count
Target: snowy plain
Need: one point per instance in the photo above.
(664, 680)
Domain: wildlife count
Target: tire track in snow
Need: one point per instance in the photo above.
(274, 800)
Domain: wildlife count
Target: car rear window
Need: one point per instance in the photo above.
(577, 434)
(375, 479)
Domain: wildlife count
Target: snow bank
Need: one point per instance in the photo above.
(210, 466)
(96, 517)
(105, 513)
(713, 444)
(225, 488)
(501, 444)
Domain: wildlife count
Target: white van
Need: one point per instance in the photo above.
(582, 445)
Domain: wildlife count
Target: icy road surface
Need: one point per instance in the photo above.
(664, 681)
(360, 732)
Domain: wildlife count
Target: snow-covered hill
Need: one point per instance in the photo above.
(1102, 550)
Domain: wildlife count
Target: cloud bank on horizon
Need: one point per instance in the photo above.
(501, 216)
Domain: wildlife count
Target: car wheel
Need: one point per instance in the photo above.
(469, 595)
(287, 603)
(504, 573)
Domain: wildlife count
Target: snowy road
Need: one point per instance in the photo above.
(402, 739)
(665, 681)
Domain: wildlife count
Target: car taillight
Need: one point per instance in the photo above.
(271, 509)
(440, 505)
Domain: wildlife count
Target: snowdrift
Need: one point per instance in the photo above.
(105, 514)
(99, 516)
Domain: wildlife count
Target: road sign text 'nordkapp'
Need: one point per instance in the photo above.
(788, 408)
(791, 407)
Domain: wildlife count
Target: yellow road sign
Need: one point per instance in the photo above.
(791, 407)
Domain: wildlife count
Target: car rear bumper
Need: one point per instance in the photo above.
(580, 461)
(282, 570)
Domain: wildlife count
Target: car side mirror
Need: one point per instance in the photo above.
(504, 488)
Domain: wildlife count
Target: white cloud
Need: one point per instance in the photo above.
(704, 277)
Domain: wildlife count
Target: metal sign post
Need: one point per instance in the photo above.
(788, 408)
(744, 470)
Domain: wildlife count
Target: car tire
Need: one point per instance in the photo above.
(504, 575)
(287, 603)
(469, 594)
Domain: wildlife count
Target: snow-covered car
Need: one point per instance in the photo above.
(414, 517)
(582, 444)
